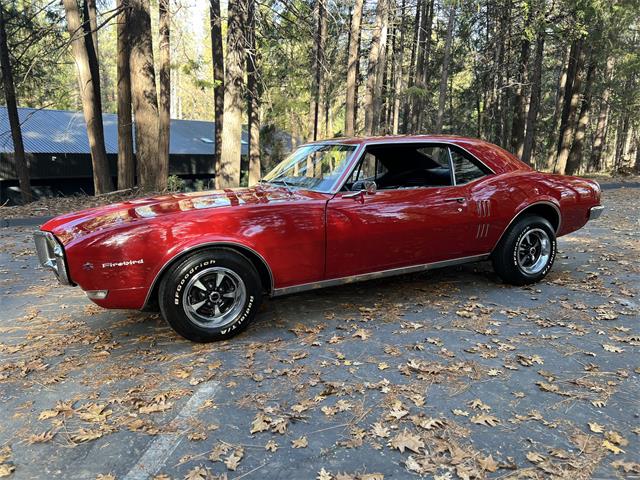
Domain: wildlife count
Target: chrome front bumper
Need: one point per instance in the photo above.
(51, 255)
(595, 212)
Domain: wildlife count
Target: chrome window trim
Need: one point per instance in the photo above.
(359, 152)
(332, 190)
(375, 275)
(203, 245)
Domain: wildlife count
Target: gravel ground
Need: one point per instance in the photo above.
(447, 374)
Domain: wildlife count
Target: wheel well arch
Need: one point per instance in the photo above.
(257, 260)
(546, 210)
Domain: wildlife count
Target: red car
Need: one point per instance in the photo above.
(333, 212)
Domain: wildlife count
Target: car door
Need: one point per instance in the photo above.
(397, 227)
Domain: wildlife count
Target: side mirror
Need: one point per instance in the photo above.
(370, 187)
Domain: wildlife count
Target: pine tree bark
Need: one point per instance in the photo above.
(422, 64)
(21, 166)
(90, 100)
(575, 154)
(407, 111)
(569, 110)
(164, 104)
(534, 99)
(228, 170)
(316, 106)
(561, 89)
(253, 97)
(444, 77)
(126, 160)
(352, 68)
(398, 57)
(374, 69)
(144, 94)
(217, 54)
(519, 106)
(595, 161)
(91, 14)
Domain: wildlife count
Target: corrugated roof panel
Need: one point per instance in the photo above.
(61, 131)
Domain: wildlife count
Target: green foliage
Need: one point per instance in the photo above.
(175, 184)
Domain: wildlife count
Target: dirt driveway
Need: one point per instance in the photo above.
(447, 374)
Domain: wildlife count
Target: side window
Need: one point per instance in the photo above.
(466, 170)
(368, 169)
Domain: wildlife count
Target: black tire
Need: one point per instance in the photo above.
(191, 282)
(508, 255)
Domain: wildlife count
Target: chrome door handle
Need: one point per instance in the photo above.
(456, 199)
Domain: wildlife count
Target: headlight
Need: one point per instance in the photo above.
(51, 255)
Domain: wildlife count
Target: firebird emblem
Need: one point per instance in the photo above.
(124, 263)
(88, 266)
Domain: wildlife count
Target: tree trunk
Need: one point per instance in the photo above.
(316, 106)
(90, 101)
(164, 103)
(144, 95)
(407, 113)
(126, 161)
(374, 69)
(253, 97)
(595, 161)
(444, 77)
(534, 100)
(398, 57)
(571, 99)
(519, 106)
(621, 141)
(422, 64)
(91, 14)
(228, 170)
(636, 167)
(561, 89)
(575, 154)
(217, 57)
(352, 69)
(22, 168)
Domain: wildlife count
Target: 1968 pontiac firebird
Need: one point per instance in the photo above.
(333, 212)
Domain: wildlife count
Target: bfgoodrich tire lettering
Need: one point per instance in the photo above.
(527, 251)
(210, 295)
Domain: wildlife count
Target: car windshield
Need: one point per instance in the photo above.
(313, 167)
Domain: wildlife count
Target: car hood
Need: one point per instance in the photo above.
(70, 226)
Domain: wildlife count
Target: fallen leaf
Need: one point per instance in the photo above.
(488, 464)
(407, 440)
(234, 459)
(595, 427)
(300, 442)
(484, 419)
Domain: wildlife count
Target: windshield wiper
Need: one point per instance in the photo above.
(282, 181)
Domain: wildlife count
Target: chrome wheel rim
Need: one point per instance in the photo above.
(214, 297)
(533, 251)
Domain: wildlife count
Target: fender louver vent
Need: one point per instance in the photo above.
(484, 211)
(484, 208)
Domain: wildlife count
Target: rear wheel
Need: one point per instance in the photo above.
(210, 295)
(526, 252)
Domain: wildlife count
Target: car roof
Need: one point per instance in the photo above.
(401, 139)
(498, 159)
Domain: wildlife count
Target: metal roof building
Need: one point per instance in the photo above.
(64, 132)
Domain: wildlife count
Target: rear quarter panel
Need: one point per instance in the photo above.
(511, 193)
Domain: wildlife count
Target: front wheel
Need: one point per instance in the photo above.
(210, 295)
(526, 252)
